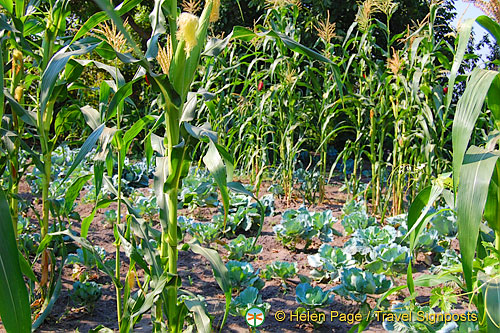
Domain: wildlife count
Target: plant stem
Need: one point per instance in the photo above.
(118, 221)
(45, 216)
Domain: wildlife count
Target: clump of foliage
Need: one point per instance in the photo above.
(247, 299)
(355, 217)
(242, 275)
(86, 293)
(357, 284)
(329, 262)
(281, 270)
(364, 241)
(198, 190)
(204, 232)
(388, 259)
(243, 248)
(303, 225)
(312, 298)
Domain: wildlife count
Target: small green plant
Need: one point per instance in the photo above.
(243, 219)
(86, 293)
(242, 275)
(364, 241)
(198, 190)
(247, 299)
(388, 259)
(312, 298)
(308, 184)
(357, 284)
(243, 248)
(110, 216)
(302, 225)
(204, 232)
(329, 262)
(281, 270)
(355, 217)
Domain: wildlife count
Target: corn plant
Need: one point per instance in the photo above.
(179, 62)
(33, 108)
(473, 189)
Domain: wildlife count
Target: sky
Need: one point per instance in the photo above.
(467, 10)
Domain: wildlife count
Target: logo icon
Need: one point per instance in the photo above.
(254, 317)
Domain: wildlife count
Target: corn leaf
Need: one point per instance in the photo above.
(491, 26)
(14, 306)
(492, 302)
(247, 35)
(463, 39)
(100, 17)
(55, 66)
(214, 164)
(8, 5)
(468, 108)
(475, 176)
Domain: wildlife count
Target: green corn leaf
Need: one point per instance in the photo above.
(113, 71)
(160, 178)
(14, 306)
(201, 318)
(220, 273)
(491, 26)
(100, 17)
(88, 220)
(118, 98)
(463, 39)
(417, 220)
(492, 208)
(492, 303)
(417, 214)
(158, 23)
(247, 35)
(220, 270)
(27, 116)
(475, 176)
(26, 268)
(468, 108)
(8, 5)
(85, 244)
(214, 164)
(494, 100)
(55, 66)
(151, 297)
(427, 280)
(73, 192)
(84, 150)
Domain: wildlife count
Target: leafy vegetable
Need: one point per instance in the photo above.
(356, 284)
(242, 275)
(312, 297)
(86, 293)
(389, 259)
(281, 269)
(198, 190)
(329, 262)
(242, 247)
(357, 220)
(298, 225)
(246, 300)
